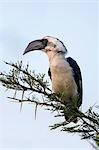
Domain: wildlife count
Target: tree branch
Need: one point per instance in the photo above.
(20, 78)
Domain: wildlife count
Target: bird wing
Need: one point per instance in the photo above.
(49, 73)
(77, 76)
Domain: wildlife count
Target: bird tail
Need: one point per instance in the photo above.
(70, 113)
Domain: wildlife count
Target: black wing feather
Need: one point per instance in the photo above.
(49, 73)
(77, 77)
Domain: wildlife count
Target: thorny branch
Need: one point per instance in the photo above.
(20, 78)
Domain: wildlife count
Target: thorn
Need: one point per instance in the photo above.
(35, 110)
(21, 106)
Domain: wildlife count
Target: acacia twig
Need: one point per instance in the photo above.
(22, 79)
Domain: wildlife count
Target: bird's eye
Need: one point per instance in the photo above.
(52, 44)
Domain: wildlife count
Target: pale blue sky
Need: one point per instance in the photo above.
(73, 22)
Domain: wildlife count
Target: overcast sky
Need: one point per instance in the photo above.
(76, 24)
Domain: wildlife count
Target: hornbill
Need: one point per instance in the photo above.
(64, 72)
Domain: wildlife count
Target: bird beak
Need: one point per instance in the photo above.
(36, 45)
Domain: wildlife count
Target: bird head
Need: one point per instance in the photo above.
(50, 45)
(46, 44)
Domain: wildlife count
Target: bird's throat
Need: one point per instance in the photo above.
(55, 57)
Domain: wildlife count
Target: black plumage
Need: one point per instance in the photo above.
(77, 77)
(49, 73)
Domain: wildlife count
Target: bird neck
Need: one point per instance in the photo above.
(55, 56)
